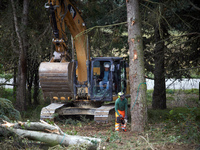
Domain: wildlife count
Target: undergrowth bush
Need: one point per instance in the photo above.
(155, 116)
(183, 124)
(32, 113)
(7, 111)
(187, 124)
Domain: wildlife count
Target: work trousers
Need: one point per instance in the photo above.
(102, 83)
(119, 120)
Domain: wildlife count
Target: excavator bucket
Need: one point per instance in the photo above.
(56, 80)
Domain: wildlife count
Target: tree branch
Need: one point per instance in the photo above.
(197, 8)
(16, 26)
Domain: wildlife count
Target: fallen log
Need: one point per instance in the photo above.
(52, 139)
(36, 126)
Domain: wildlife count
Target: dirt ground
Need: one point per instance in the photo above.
(124, 140)
(154, 138)
(111, 140)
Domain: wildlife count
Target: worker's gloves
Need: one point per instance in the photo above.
(120, 116)
(125, 117)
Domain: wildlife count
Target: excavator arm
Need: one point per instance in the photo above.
(63, 14)
(57, 76)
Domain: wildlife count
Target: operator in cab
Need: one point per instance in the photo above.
(104, 77)
(121, 107)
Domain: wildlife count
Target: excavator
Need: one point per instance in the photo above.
(72, 84)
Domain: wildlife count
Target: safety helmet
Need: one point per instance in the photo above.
(106, 65)
(120, 94)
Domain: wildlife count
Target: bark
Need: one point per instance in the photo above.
(36, 86)
(22, 39)
(36, 126)
(33, 80)
(29, 92)
(136, 68)
(30, 78)
(55, 137)
(159, 93)
(14, 82)
(15, 67)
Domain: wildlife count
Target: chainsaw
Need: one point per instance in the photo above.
(124, 121)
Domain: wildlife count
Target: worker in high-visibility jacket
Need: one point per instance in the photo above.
(121, 106)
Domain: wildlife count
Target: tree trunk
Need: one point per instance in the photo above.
(15, 67)
(36, 85)
(55, 137)
(136, 68)
(29, 92)
(22, 39)
(159, 93)
(30, 78)
(14, 81)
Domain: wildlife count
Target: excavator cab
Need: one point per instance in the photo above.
(105, 90)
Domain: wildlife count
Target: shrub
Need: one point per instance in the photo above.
(7, 111)
(187, 124)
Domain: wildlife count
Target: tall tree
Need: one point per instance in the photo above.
(23, 46)
(171, 31)
(136, 68)
(159, 93)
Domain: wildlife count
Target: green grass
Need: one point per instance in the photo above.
(149, 97)
(191, 91)
(185, 111)
(187, 91)
(32, 113)
(156, 116)
(171, 98)
(170, 91)
(178, 124)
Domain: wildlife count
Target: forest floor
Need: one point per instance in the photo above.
(155, 138)
(152, 139)
(176, 128)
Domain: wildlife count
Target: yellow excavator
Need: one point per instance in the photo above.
(73, 85)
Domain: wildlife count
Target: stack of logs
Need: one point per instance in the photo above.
(50, 134)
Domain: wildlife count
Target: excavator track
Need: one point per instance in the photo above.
(56, 81)
(104, 114)
(101, 114)
(48, 112)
